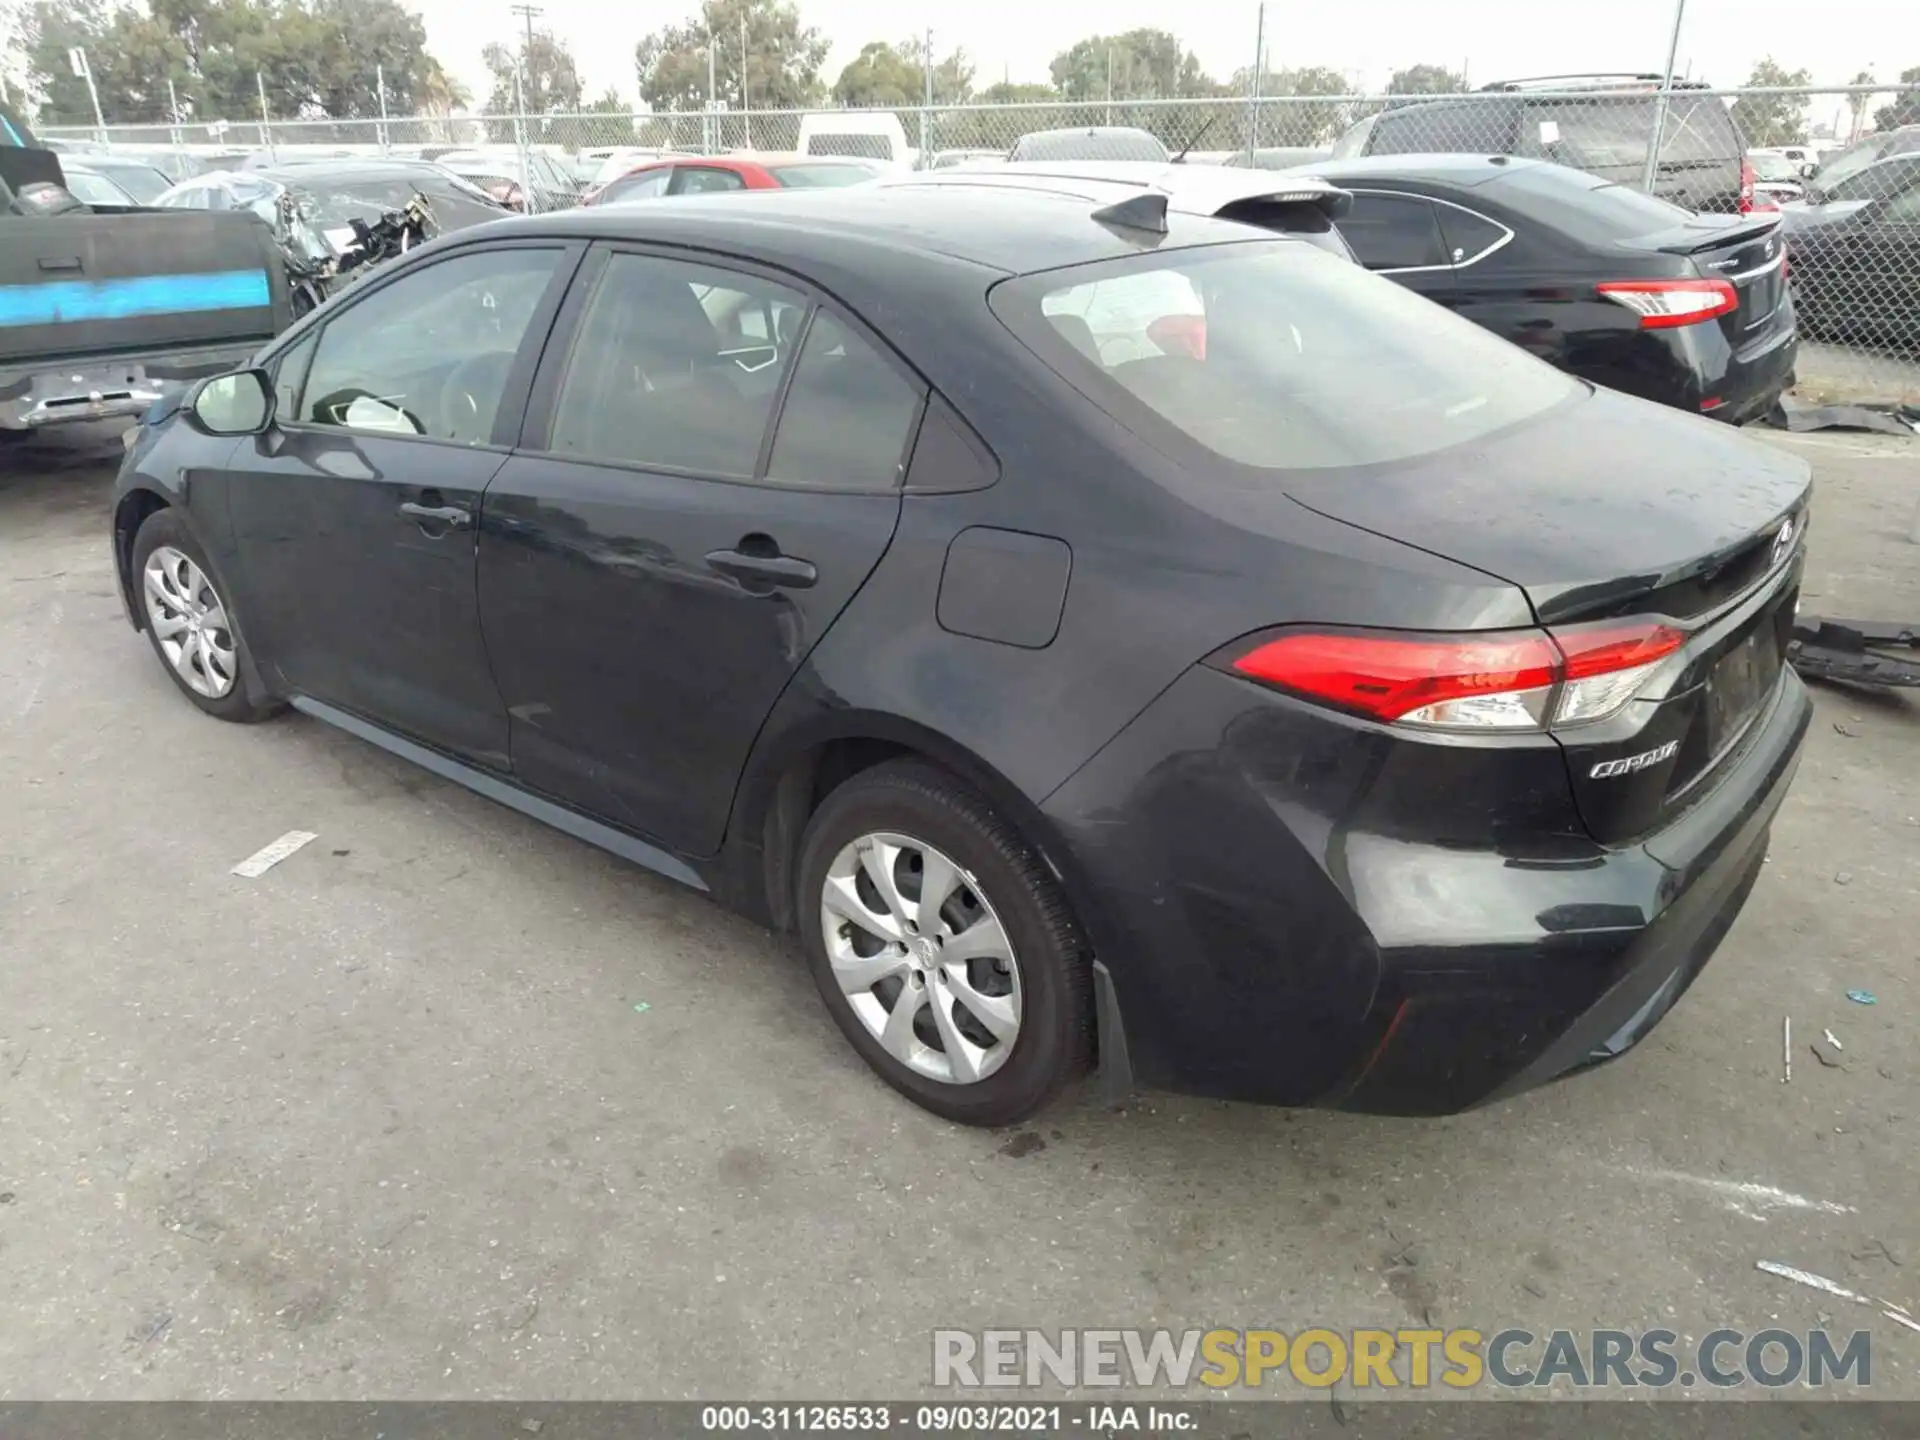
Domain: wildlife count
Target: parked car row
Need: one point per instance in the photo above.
(1104, 622)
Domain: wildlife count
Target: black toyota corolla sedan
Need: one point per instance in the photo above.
(1103, 635)
(1610, 284)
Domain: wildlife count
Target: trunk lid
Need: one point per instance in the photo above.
(1591, 509)
(1614, 508)
(1749, 252)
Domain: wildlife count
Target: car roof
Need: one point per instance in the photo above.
(1010, 229)
(1190, 189)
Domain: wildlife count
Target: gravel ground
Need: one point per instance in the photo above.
(448, 1105)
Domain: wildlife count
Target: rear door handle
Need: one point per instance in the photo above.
(775, 569)
(452, 516)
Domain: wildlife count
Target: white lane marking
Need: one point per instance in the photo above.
(37, 676)
(261, 861)
(1743, 1197)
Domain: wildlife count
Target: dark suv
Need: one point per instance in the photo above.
(1600, 124)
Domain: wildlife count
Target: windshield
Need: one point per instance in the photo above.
(1876, 182)
(1851, 162)
(1774, 167)
(816, 177)
(95, 189)
(1278, 356)
(1089, 145)
(856, 147)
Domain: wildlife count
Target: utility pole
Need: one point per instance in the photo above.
(926, 113)
(527, 12)
(1259, 64)
(1109, 85)
(380, 84)
(82, 70)
(1660, 108)
(173, 114)
(746, 124)
(266, 124)
(713, 85)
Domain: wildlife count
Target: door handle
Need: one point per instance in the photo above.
(60, 262)
(452, 516)
(774, 569)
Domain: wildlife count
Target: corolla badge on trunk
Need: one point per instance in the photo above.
(1634, 764)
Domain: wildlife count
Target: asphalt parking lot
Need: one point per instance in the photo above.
(449, 1105)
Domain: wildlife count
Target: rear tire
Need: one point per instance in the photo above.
(915, 893)
(186, 612)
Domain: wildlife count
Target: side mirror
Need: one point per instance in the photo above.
(240, 403)
(1808, 170)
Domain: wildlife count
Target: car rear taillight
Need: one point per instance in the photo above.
(1513, 680)
(1748, 178)
(1663, 304)
(508, 193)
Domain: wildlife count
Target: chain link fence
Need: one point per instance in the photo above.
(1851, 202)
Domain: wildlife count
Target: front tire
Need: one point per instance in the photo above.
(943, 947)
(189, 622)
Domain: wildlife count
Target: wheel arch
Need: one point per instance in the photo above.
(129, 514)
(788, 779)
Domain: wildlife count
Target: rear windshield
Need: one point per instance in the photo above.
(1582, 205)
(1610, 130)
(856, 147)
(1275, 355)
(815, 177)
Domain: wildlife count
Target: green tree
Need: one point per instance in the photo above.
(538, 77)
(1857, 105)
(1426, 80)
(1141, 65)
(777, 69)
(1292, 119)
(48, 32)
(883, 74)
(612, 122)
(1905, 109)
(317, 58)
(1772, 119)
(1005, 92)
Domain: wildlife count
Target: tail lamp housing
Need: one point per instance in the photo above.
(1487, 682)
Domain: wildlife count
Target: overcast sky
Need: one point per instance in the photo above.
(1366, 39)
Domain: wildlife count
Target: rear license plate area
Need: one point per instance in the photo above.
(1740, 682)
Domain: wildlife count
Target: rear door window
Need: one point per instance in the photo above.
(1394, 232)
(1275, 356)
(651, 380)
(848, 414)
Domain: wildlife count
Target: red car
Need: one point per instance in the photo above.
(695, 174)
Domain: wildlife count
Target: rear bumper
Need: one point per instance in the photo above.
(64, 392)
(1298, 926)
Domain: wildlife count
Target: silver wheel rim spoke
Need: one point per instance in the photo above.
(921, 958)
(190, 622)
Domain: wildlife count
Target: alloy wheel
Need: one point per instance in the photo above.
(921, 957)
(190, 622)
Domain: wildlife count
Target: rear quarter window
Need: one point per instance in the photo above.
(1274, 356)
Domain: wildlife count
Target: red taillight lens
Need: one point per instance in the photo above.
(1747, 178)
(1663, 304)
(1502, 680)
(1497, 681)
